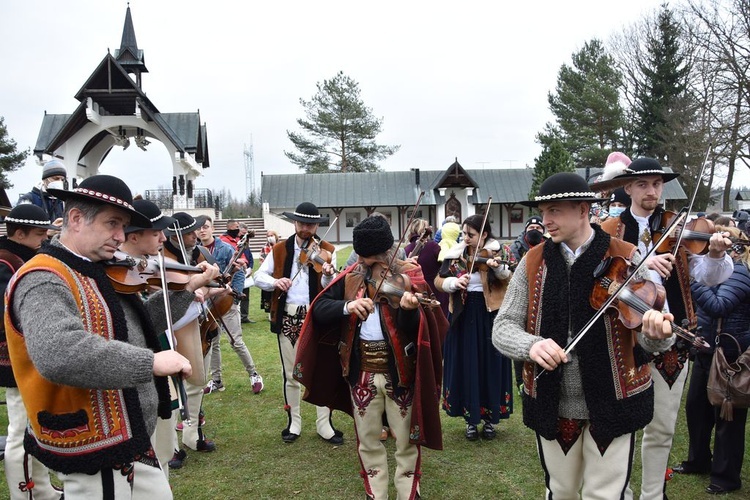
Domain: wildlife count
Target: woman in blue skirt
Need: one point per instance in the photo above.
(477, 382)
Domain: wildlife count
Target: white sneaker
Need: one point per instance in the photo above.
(257, 382)
(213, 386)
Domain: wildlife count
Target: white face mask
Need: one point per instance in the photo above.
(616, 211)
(271, 240)
(56, 185)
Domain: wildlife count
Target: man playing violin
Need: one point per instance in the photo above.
(294, 285)
(222, 252)
(377, 344)
(27, 227)
(586, 409)
(644, 182)
(144, 243)
(87, 359)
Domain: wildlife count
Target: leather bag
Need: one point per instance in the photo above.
(729, 383)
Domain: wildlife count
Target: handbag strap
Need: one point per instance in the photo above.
(736, 342)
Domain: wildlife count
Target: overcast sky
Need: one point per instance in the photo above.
(451, 79)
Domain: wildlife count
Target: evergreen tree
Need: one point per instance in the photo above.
(586, 106)
(339, 132)
(10, 158)
(554, 158)
(665, 79)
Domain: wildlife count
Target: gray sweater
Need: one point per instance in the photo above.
(64, 353)
(510, 338)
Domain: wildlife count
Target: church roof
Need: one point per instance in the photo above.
(386, 189)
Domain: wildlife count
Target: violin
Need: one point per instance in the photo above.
(425, 235)
(391, 287)
(130, 275)
(313, 255)
(638, 297)
(481, 258)
(695, 234)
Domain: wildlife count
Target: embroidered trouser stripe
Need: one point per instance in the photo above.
(584, 472)
(370, 399)
(293, 394)
(136, 481)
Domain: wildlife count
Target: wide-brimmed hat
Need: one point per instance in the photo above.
(646, 167)
(183, 223)
(29, 215)
(4, 203)
(106, 189)
(148, 208)
(617, 164)
(563, 186)
(306, 212)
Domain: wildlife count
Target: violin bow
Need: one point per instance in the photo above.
(579, 336)
(181, 242)
(400, 241)
(484, 223)
(184, 413)
(692, 199)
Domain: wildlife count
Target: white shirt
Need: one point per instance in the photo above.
(299, 292)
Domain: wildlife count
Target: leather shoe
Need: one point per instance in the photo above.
(178, 460)
(472, 434)
(337, 439)
(205, 445)
(715, 489)
(288, 437)
(686, 470)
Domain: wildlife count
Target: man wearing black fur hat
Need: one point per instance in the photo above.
(86, 358)
(381, 350)
(644, 182)
(294, 286)
(27, 227)
(586, 409)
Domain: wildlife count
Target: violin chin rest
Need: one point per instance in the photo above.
(602, 268)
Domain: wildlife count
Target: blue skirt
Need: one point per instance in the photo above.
(477, 379)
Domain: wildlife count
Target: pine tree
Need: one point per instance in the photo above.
(665, 79)
(10, 158)
(586, 106)
(554, 158)
(339, 132)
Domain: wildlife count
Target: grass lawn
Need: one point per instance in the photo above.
(251, 461)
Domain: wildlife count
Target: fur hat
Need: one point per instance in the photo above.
(105, 189)
(563, 186)
(372, 236)
(149, 209)
(52, 168)
(306, 212)
(29, 215)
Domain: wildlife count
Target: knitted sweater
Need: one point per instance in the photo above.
(65, 353)
(510, 337)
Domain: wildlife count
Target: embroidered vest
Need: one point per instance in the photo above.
(283, 255)
(614, 371)
(404, 358)
(13, 262)
(73, 429)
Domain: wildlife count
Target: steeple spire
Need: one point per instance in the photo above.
(129, 56)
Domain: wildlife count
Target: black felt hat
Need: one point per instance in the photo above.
(158, 220)
(30, 215)
(372, 236)
(306, 212)
(105, 189)
(185, 223)
(645, 167)
(563, 186)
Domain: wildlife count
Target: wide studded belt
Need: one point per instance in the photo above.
(374, 355)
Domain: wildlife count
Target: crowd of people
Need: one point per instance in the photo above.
(404, 329)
